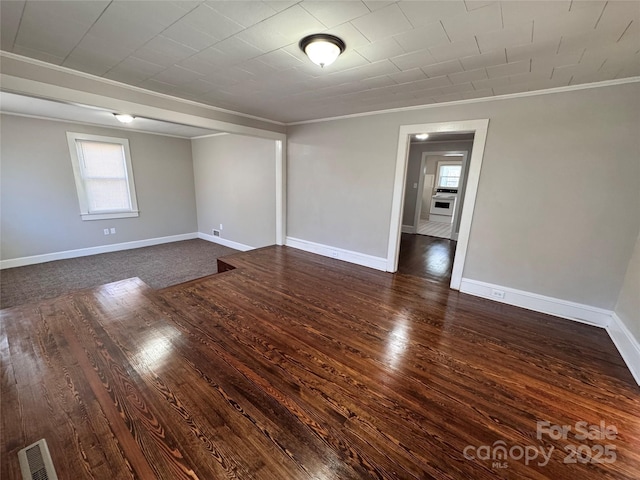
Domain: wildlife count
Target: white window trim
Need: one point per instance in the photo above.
(72, 137)
(443, 163)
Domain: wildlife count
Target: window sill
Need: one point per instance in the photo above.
(108, 216)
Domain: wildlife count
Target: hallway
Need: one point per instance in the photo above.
(426, 257)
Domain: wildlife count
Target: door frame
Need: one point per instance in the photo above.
(479, 128)
(420, 193)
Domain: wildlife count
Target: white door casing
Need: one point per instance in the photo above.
(479, 128)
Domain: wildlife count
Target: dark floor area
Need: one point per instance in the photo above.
(294, 366)
(158, 266)
(426, 257)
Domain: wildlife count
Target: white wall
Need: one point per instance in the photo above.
(235, 185)
(557, 205)
(40, 211)
(628, 306)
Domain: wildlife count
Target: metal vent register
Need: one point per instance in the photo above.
(35, 462)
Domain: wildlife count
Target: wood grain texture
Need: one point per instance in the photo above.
(426, 257)
(290, 366)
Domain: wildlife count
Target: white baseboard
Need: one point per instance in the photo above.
(626, 344)
(539, 303)
(83, 252)
(379, 263)
(622, 338)
(223, 241)
(408, 229)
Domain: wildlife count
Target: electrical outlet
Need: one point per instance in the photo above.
(221, 227)
(113, 230)
(216, 233)
(106, 231)
(497, 293)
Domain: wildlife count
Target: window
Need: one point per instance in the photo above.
(449, 174)
(104, 177)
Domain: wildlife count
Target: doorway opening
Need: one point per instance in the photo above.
(432, 204)
(403, 219)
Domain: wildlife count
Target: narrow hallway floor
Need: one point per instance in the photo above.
(426, 257)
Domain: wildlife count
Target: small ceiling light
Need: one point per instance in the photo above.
(322, 49)
(422, 136)
(123, 117)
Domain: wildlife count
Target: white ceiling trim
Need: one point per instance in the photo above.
(133, 88)
(210, 135)
(569, 88)
(69, 71)
(73, 122)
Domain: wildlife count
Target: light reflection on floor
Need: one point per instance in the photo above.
(157, 348)
(437, 259)
(398, 341)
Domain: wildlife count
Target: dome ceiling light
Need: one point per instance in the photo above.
(322, 49)
(123, 117)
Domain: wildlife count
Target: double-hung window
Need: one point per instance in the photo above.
(449, 174)
(104, 177)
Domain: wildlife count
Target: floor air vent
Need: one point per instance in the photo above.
(35, 462)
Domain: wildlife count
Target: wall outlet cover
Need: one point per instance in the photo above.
(497, 293)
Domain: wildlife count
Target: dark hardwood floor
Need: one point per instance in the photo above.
(426, 257)
(294, 366)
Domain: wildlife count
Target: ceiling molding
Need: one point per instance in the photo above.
(210, 135)
(133, 88)
(570, 88)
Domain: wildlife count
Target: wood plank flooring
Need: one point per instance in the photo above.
(427, 257)
(291, 366)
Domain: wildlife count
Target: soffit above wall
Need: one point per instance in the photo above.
(37, 107)
(243, 56)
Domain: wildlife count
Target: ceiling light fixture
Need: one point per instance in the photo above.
(422, 136)
(322, 49)
(123, 117)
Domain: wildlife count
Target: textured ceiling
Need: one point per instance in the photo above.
(243, 55)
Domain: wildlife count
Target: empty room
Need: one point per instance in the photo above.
(320, 239)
